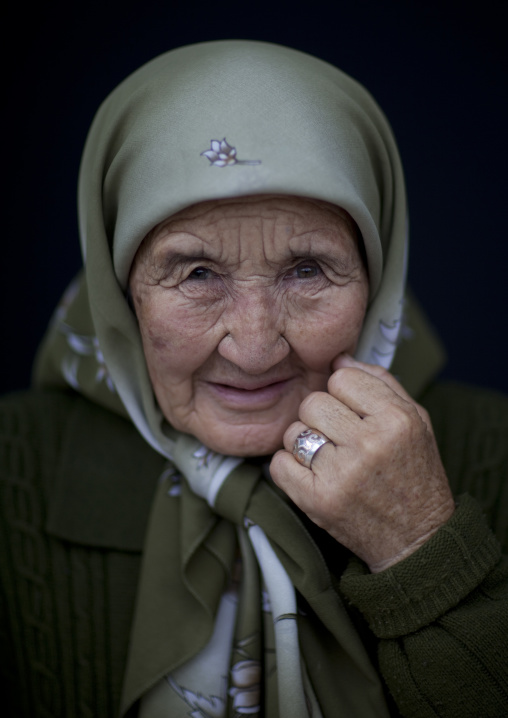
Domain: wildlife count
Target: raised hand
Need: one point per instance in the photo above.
(380, 488)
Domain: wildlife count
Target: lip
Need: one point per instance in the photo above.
(249, 397)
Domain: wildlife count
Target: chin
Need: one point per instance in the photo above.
(244, 443)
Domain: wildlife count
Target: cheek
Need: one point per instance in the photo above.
(331, 327)
(175, 337)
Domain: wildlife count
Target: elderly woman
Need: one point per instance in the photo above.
(219, 502)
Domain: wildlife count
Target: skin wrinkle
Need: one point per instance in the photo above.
(245, 351)
(380, 489)
(161, 265)
(179, 221)
(254, 316)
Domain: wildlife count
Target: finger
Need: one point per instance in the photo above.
(347, 361)
(292, 434)
(290, 476)
(369, 378)
(362, 393)
(298, 482)
(330, 416)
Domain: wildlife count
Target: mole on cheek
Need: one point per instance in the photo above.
(157, 342)
(159, 345)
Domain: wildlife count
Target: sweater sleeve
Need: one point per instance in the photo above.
(441, 615)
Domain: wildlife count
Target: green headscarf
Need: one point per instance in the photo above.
(308, 130)
(217, 120)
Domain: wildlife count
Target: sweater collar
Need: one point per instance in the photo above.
(105, 481)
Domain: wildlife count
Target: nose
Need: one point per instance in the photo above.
(253, 338)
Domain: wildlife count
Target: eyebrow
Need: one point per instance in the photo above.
(165, 262)
(342, 264)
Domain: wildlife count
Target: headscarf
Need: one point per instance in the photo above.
(209, 121)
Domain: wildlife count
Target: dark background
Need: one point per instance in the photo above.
(438, 70)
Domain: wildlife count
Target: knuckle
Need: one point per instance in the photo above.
(424, 414)
(385, 376)
(340, 378)
(372, 447)
(276, 462)
(279, 465)
(310, 403)
(292, 432)
(403, 421)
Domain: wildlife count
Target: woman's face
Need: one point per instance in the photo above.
(242, 305)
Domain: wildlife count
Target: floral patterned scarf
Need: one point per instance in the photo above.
(209, 121)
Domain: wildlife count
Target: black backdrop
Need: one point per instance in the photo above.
(437, 69)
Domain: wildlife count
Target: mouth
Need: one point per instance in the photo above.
(250, 395)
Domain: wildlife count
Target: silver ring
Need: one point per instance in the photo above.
(307, 444)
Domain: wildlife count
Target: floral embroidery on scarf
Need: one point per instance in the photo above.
(83, 346)
(203, 707)
(171, 474)
(222, 154)
(246, 687)
(388, 338)
(245, 691)
(205, 455)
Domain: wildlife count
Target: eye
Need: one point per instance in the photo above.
(200, 274)
(307, 270)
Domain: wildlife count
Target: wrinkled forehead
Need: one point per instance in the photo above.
(228, 120)
(280, 208)
(281, 216)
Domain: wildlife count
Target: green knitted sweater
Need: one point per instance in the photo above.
(73, 515)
